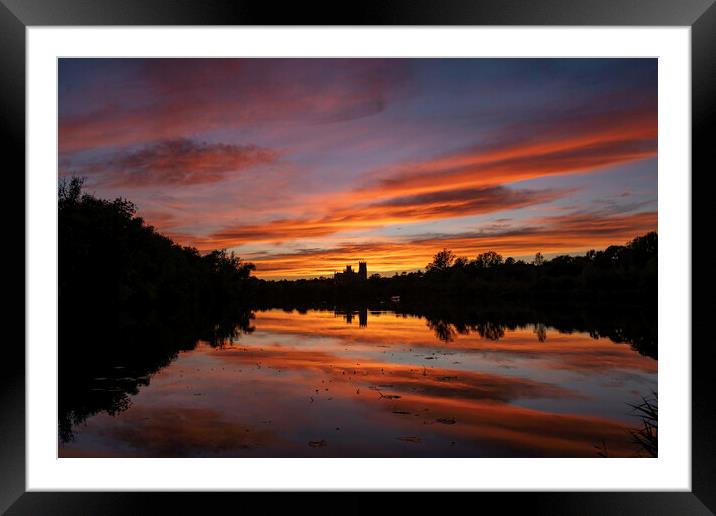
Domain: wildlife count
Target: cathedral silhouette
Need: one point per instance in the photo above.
(349, 275)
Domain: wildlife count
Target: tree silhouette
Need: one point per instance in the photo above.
(619, 275)
(488, 259)
(442, 260)
(145, 295)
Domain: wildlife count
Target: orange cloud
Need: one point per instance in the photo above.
(428, 206)
(569, 233)
(561, 148)
(465, 183)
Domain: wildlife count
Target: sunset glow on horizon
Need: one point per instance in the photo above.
(303, 166)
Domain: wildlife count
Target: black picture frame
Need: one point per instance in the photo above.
(16, 15)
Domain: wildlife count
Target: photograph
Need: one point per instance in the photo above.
(357, 257)
(405, 248)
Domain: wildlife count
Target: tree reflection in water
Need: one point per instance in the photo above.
(630, 327)
(101, 366)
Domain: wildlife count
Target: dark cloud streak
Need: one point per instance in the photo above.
(177, 162)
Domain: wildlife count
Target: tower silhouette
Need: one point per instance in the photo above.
(363, 270)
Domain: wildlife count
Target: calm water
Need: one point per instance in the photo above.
(374, 384)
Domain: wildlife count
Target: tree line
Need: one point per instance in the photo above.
(620, 274)
(113, 264)
(130, 300)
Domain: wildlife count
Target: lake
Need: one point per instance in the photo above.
(366, 384)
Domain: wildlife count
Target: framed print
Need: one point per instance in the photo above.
(410, 249)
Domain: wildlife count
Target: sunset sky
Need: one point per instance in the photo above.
(305, 165)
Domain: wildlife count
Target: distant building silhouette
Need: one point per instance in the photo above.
(363, 317)
(349, 275)
(349, 315)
